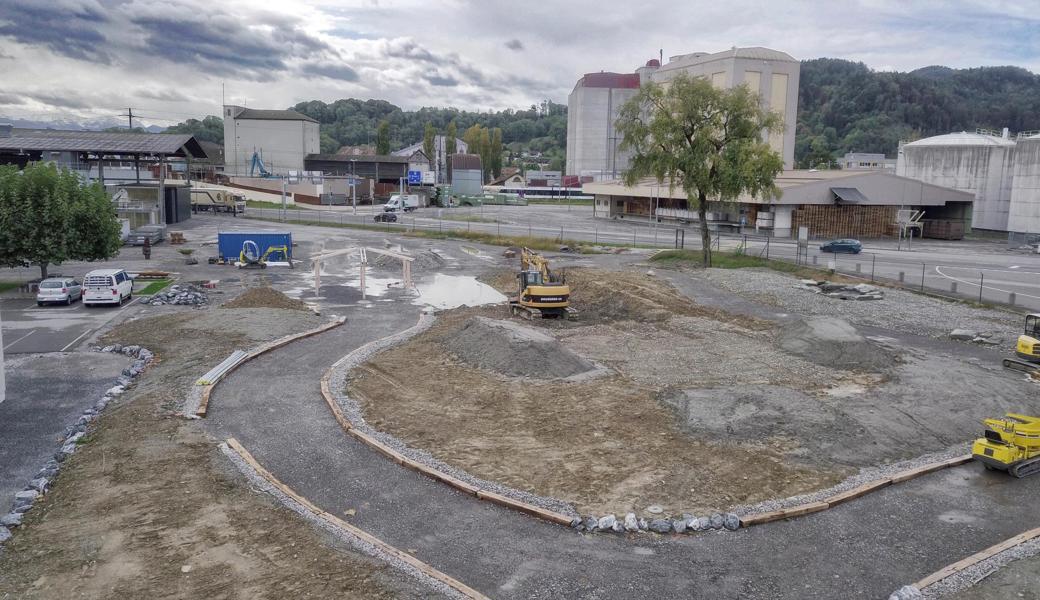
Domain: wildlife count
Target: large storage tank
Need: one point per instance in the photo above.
(980, 163)
(1024, 215)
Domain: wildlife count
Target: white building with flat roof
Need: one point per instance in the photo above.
(593, 105)
(282, 138)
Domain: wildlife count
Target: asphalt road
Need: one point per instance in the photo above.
(961, 269)
(29, 328)
(862, 549)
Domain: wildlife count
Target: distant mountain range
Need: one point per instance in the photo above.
(75, 125)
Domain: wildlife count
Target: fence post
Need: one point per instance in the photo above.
(597, 234)
(922, 276)
(858, 268)
(814, 259)
(1011, 298)
(982, 280)
(873, 264)
(767, 248)
(902, 276)
(953, 287)
(633, 236)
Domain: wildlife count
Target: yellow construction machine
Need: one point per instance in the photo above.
(1010, 444)
(542, 293)
(1027, 350)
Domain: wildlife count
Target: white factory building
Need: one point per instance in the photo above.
(594, 104)
(280, 137)
(1002, 172)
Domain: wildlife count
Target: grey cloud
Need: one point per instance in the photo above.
(65, 27)
(442, 80)
(515, 44)
(61, 100)
(162, 95)
(11, 99)
(330, 70)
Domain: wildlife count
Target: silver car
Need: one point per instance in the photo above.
(59, 289)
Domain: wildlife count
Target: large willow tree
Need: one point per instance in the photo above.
(709, 142)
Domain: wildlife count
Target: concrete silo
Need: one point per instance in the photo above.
(980, 163)
(1024, 215)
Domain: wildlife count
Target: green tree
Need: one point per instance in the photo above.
(49, 216)
(451, 135)
(383, 138)
(496, 152)
(704, 140)
(429, 141)
(209, 129)
(485, 152)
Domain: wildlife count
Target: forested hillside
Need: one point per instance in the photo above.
(844, 106)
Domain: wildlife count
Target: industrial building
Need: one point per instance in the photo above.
(830, 203)
(467, 174)
(594, 104)
(281, 138)
(867, 161)
(1024, 212)
(980, 163)
(439, 161)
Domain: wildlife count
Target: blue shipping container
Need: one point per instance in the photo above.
(229, 243)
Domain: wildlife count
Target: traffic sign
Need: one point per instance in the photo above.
(414, 177)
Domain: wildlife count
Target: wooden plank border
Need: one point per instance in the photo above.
(978, 557)
(852, 494)
(432, 473)
(261, 350)
(335, 521)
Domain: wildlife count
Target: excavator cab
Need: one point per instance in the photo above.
(1028, 346)
(541, 292)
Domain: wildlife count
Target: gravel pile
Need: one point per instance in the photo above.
(901, 310)
(843, 291)
(833, 342)
(264, 297)
(508, 348)
(423, 261)
(187, 295)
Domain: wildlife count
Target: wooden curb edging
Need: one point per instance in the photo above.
(432, 473)
(978, 557)
(263, 349)
(363, 535)
(856, 492)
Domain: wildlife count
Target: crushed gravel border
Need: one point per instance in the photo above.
(340, 376)
(261, 484)
(976, 573)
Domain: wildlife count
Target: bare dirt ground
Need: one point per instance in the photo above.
(149, 507)
(701, 409)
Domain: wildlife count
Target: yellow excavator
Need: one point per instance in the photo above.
(1010, 444)
(1027, 350)
(542, 293)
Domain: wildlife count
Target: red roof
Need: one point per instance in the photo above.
(610, 80)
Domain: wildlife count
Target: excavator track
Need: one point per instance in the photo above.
(1025, 468)
(1021, 365)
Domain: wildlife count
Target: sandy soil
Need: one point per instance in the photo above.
(150, 496)
(606, 444)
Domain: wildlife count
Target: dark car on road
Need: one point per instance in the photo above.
(386, 217)
(846, 246)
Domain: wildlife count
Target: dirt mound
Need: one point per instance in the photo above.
(264, 297)
(833, 342)
(513, 349)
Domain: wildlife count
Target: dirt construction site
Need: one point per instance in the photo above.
(400, 433)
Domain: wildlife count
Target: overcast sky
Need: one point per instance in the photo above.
(76, 59)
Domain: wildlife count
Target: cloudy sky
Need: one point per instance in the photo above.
(168, 59)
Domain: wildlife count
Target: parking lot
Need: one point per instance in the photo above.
(29, 328)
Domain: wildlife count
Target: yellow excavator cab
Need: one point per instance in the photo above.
(1010, 444)
(1028, 346)
(541, 292)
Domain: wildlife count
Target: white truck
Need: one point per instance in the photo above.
(217, 200)
(406, 203)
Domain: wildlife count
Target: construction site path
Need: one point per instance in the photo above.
(862, 549)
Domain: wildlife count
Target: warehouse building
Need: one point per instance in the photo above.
(594, 104)
(860, 204)
(281, 138)
(1024, 212)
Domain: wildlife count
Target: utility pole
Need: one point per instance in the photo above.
(130, 118)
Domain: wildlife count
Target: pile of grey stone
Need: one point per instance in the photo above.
(975, 337)
(630, 523)
(188, 295)
(842, 291)
(40, 483)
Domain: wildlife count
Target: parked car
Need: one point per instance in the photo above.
(107, 286)
(65, 290)
(153, 232)
(846, 246)
(386, 217)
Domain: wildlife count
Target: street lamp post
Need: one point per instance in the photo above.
(353, 186)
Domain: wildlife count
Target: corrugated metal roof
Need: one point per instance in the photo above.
(610, 80)
(272, 115)
(962, 138)
(850, 195)
(357, 158)
(58, 140)
(466, 162)
(753, 53)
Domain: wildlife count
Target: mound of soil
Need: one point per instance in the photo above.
(509, 348)
(264, 297)
(835, 343)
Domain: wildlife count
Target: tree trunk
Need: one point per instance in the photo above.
(702, 215)
(43, 270)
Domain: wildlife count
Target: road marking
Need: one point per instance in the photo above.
(76, 340)
(988, 287)
(19, 339)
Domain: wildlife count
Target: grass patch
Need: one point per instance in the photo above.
(154, 287)
(739, 260)
(468, 218)
(571, 201)
(9, 285)
(266, 204)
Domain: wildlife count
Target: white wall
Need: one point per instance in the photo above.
(1024, 211)
(282, 144)
(591, 114)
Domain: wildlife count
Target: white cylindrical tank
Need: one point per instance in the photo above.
(974, 162)
(1024, 215)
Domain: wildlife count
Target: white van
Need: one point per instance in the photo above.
(107, 286)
